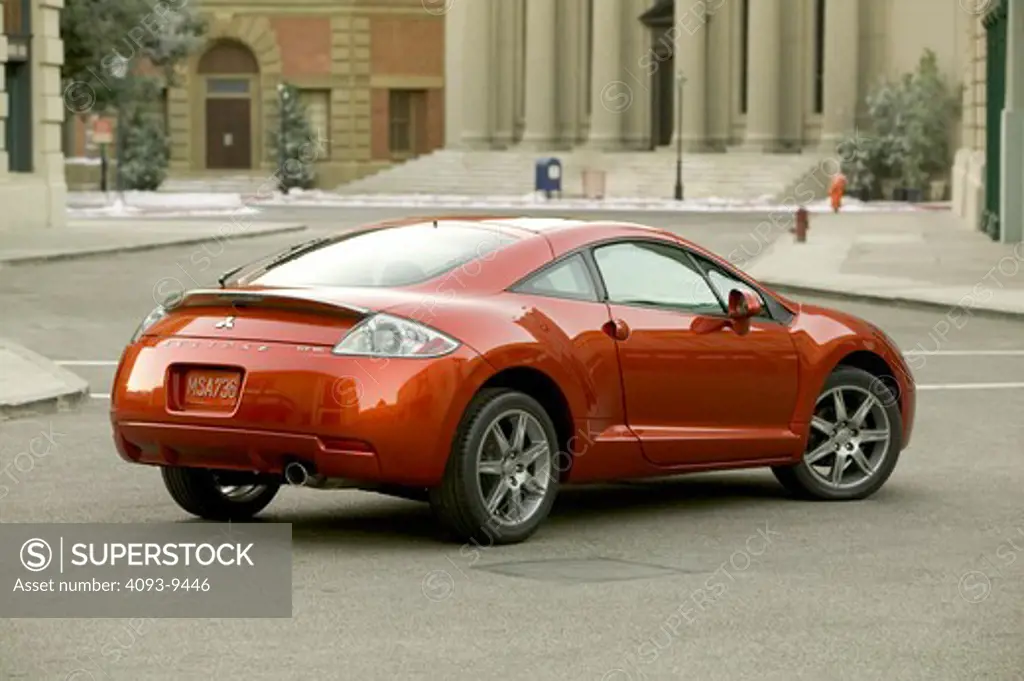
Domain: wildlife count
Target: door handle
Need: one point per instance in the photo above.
(617, 329)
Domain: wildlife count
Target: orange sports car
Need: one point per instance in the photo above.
(482, 363)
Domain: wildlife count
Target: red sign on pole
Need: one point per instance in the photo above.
(102, 131)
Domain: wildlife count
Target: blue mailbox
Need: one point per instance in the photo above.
(549, 176)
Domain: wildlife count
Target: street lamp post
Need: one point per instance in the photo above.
(680, 80)
(280, 127)
(282, 97)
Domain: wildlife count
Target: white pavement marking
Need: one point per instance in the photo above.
(934, 386)
(965, 353)
(926, 353)
(972, 386)
(86, 363)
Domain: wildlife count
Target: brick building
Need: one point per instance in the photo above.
(370, 72)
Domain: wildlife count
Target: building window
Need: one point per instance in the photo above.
(400, 122)
(318, 111)
(819, 57)
(165, 109)
(16, 17)
(19, 117)
(68, 137)
(227, 86)
(744, 50)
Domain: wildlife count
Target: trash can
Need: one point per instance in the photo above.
(593, 183)
(548, 177)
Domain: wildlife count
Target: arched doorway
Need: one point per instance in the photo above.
(229, 75)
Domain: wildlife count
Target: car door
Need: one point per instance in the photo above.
(695, 392)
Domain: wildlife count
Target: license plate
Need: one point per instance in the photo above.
(211, 389)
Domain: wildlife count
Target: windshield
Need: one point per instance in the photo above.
(396, 256)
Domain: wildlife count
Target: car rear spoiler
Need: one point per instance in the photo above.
(291, 300)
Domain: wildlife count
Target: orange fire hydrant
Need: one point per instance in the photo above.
(802, 225)
(836, 191)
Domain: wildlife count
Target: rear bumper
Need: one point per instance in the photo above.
(262, 451)
(364, 419)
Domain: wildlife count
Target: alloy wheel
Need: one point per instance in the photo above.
(513, 463)
(240, 493)
(850, 435)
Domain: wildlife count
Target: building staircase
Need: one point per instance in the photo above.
(734, 175)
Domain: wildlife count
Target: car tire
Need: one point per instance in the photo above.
(836, 441)
(197, 491)
(482, 469)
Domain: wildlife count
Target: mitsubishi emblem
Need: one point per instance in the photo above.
(228, 323)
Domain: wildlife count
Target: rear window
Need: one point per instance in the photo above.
(396, 256)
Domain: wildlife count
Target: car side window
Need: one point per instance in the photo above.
(724, 283)
(642, 273)
(567, 279)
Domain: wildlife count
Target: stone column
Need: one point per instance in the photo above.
(504, 51)
(842, 39)
(583, 82)
(764, 54)
(690, 61)
(1011, 172)
(467, 74)
(570, 69)
(454, 29)
(48, 105)
(610, 96)
(638, 62)
(541, 50)
(477, 89)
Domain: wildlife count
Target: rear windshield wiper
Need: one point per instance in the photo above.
(288, 254)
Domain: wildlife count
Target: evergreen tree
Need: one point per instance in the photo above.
(106, 42)
(295, 142)
(146, 151)
(118, 57)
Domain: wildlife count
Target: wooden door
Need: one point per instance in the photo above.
(228, 134)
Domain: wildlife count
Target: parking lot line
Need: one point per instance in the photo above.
(927, 386)
(86, 363)
(964, 353)
(908, 353)
(971, 386)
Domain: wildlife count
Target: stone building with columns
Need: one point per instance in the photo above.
(760, 75)
(32, 188)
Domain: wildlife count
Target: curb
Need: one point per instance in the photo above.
(136, 248)
(901, 301)
(75, 388)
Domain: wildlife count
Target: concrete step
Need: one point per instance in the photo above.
(628, 174)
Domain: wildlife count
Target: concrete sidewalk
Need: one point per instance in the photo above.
(30, 383)
(921, 258)
(84, 238)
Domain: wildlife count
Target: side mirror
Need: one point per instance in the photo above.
(743, 305)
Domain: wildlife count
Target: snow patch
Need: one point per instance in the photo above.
(82, 161)
(219, 203)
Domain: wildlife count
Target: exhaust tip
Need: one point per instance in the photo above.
(295, 473)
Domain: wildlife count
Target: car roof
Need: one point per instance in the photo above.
(547, 226)
(562, 234)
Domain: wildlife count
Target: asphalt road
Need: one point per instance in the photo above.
(923, 581)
